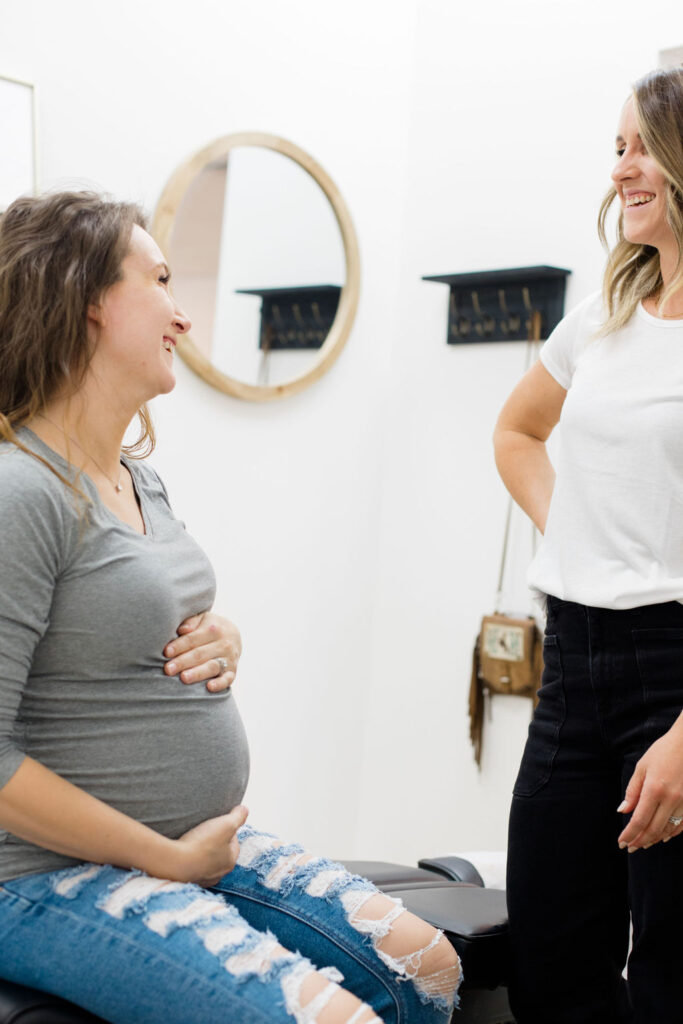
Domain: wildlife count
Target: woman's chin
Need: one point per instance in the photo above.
(635, 236)
(167, 384)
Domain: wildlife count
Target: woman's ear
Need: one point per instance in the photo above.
(96, 314)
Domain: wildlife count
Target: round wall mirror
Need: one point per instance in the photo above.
(265, 263)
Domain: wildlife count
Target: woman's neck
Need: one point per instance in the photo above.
(672, 309)
(82, 433)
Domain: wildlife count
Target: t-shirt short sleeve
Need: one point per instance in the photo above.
(563, 348)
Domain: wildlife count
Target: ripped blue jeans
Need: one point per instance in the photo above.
(134, 949)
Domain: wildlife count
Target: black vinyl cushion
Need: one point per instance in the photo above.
(384, 873)
(456, 868)
(473, 918)
(21, 1005)
(475, 921)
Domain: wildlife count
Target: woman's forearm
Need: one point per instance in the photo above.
(526, 471)
(41, 807)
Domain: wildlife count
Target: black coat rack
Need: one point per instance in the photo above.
(496, 305)
(295, 317)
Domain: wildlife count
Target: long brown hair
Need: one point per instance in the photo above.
(59, 252)
(633, 271)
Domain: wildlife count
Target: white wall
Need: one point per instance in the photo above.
(356, 528)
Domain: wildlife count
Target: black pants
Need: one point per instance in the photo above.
(612, 685)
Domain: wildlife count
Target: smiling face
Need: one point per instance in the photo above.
(641, 187)
(138, 323)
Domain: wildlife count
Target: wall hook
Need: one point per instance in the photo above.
(496, 305)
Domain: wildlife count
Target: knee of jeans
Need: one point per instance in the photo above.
(411, 948)
(432, 966)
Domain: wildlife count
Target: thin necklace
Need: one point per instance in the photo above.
(116, 484)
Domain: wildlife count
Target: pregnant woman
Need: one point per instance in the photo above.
(129, 882)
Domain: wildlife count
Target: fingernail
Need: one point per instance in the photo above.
(622, 806)
(171, 666)
(170, 651)
(647, 846)
(622, 846)
(666, 839)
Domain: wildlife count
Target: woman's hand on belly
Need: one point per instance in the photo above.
(202, 640)
(210, 850)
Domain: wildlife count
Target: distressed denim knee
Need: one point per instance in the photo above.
(432, 968)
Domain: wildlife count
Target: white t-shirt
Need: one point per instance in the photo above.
(614, 536)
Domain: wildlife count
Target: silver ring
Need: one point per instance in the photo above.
(675, 821)
(222, 665)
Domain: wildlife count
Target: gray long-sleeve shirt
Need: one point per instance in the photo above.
(87, 606)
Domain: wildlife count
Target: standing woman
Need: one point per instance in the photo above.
(597, 811)
(129, 882)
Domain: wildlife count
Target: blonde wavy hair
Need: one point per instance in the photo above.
(59, 252)
(633, 270)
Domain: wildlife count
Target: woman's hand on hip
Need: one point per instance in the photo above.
(655, 793)
(209, 850)
(207, 648)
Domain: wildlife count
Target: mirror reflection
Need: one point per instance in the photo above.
(258, 263)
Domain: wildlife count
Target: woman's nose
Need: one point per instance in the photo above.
(623, 169)
(181, 322)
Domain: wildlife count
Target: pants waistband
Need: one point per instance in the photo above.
(665, 613)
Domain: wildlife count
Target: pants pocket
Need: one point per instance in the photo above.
(659, 655)
(544, 732)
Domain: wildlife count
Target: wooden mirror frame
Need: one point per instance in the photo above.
(162, 227)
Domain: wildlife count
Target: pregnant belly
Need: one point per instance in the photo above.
(170, 765)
